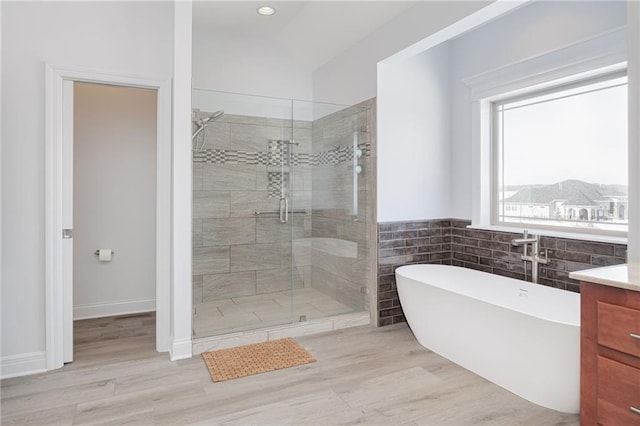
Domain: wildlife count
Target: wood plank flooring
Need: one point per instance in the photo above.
(363, 375)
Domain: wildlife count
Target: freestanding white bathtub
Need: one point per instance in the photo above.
(524, 337)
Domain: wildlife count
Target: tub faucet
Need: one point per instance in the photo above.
(532, 254)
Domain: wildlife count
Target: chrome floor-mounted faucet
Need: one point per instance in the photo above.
(531, 252)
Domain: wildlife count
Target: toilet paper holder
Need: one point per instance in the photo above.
(97, 252)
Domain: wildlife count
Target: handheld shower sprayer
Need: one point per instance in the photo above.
(202, 123)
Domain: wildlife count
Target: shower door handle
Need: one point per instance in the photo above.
(284, 210)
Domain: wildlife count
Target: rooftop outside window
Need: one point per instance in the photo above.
(560, 157)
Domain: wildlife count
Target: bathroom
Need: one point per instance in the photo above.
(438, 154)
(431, 84)
(316, 174)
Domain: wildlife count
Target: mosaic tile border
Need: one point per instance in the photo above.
(332, 156)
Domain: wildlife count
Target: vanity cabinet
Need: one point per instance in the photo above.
(610, 356)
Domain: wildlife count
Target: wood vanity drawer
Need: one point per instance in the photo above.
(619, 328)
(618, 393)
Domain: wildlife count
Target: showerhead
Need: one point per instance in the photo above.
(212, 117)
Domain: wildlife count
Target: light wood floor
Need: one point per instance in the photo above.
(363, 376)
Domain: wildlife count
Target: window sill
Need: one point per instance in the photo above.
(552, 233)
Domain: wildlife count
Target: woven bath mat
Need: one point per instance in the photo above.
(226, 364)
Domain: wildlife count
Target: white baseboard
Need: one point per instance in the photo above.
(23, 364)
(181, 349)
(98, 310)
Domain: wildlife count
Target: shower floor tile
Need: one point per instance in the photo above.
(250, 312)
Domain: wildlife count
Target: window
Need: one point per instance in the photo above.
(560, 157)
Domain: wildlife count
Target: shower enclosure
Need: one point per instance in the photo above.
(280, 211)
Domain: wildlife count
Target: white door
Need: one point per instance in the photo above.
(67, 220)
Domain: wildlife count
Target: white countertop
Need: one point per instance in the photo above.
(621, 276)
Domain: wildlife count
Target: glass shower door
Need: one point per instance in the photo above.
(242, 274)
(280, 211)
(331, 253)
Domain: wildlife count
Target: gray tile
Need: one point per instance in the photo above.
(255, 299)
(234, 284)
(210, 260)
(196, 233)
(228, 231)
(216, 135)
(302, 179)
(253, 257)
(206, 326)
(210, 204)
(272, 280)
(196, 289)
(270, 230)
(244, 203)
(255, 307)
(197, 173)
(255, 137)
(229, 177)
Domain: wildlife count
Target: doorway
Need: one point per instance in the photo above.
(114, 209)
(59, 232)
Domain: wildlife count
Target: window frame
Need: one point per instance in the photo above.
(602, 53)
(496, 174)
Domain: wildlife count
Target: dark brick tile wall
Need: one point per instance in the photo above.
(449, 241)
(404, 243)
(491, 251)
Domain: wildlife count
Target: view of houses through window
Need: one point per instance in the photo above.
(561, 156)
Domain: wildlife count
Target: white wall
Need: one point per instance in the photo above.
(180, 299)
(114, 202)
(530, 31)
(351, 76)
(424, 153)
(238, 63)
(125, 38)
(633, 19)
(413, 137)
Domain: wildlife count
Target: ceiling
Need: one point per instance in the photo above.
(313, 31)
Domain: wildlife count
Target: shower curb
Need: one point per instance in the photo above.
(306, 328)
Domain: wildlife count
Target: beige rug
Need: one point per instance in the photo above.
(226, 364)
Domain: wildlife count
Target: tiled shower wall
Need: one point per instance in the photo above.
(235, 252)
(335, 215)
(449, 241)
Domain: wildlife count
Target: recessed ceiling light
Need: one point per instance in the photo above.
(266, 10)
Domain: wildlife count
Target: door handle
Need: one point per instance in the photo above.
(286, 209)
(283, 210)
